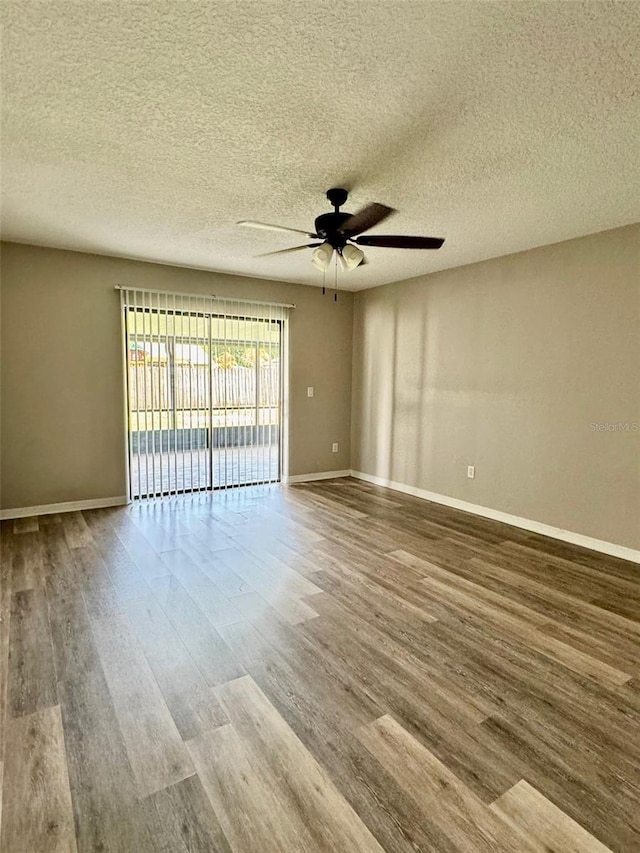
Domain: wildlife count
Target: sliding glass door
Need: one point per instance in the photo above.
(246, 400)
(204, 398)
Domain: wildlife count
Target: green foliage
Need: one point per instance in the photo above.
(240, 356)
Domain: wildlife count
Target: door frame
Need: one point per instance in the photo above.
(283, 431)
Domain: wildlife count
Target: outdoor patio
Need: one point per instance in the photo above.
(188, 470)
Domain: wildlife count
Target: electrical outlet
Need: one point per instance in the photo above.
(471, 472)
(334, 447)
(310, 391)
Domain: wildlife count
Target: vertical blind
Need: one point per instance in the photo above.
(204, 391)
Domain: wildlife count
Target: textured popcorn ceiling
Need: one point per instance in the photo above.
(147, 129)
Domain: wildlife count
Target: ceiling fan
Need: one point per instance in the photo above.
(343, 233)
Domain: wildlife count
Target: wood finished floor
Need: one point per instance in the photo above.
(324, 667)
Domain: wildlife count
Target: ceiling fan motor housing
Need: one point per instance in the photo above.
(327, 226)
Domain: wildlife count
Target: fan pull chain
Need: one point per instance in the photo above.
(335, 280)
(324, 277)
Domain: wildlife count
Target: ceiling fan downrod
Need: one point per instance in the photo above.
(337, 197)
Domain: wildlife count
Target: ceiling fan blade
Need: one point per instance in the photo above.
(365, 218)
(286, 251)
(400, 242)
(250, 223)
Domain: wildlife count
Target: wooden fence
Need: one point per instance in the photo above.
(151, 386)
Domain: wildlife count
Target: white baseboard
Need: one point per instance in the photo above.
(516, 521)
(68, 506)
(320, 475)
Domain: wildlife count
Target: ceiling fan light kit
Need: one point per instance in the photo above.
(340, 232)
(321, 257)
(350, 257)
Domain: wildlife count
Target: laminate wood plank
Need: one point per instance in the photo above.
(303, 517)
(301, 506)
(227, 581)
(75, 530)
(601, 633)
(297, 560)
(399, 590)
(154, 746)
(243, 797)
(606, 564)
(26, 525)
(144, 554)
(194, 517)
(501, 756)
(95, 582)
(556, 605)
(291, 608)
(532, 815)
(419, 675)
(266, 554)
(512, 676)
(568, 574)
(513, 618)
(348, 492)
(160, 528)
(124, 574)
(1, 787)
(298, 532)
(254, 607)
(321, 725)
(50, 520)
(448, 727)
(37, 811)
(32, 675)
(468, 638)
(439, 794)
(505, 644)
(317, 805)
(397, 526)
(321, 673)
(299, 537)
(531, 565)
(568, 655)
(448, 553)
(573, 783)
(107, 816)
(184, 821)
(319, 500)
(189, 698)
(6, 556)
(354, 559)
(204, 528)
(375, 542)
(372, 602)
(590, 769)
(25, 561)
(218, 609)
(450, 521)
(618, 653)
(266, 575)
(620, 603)
(208, 650)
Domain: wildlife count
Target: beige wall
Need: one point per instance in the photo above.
(62, 406)
(504, 365)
